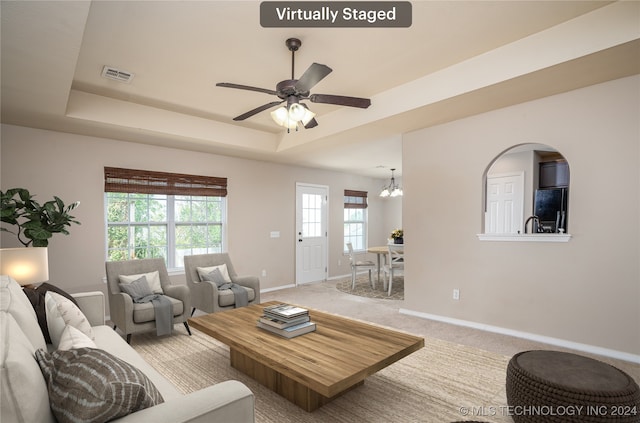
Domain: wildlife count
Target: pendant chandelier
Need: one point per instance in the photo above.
(392, 190)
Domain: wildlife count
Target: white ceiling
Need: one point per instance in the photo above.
(458, 58)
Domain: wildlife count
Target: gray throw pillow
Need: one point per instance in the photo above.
(137, 289)
(89, 384)
(215, 276)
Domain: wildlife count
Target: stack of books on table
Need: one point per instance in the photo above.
(286, 320)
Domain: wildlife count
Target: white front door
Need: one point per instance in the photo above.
(311, 232)
(505, 199)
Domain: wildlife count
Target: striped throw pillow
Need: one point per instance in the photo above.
(89, 384)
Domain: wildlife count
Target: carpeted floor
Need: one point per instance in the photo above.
(459, 367)
(364, 289)
(435, 384)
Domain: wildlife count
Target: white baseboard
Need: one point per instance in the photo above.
(277, 288)
(606, 352)
(293, 285)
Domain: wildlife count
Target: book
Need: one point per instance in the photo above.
(290, 332)
(285, 311)
(281, 324)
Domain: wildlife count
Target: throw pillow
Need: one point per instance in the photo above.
(137, 289)
(206, 270)
(62, 312)
(216, 277)
(89, 384)
(72, 338)
(36, 297)
(153, 278)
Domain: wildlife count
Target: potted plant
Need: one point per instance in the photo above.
(398, 236)
(35, 223)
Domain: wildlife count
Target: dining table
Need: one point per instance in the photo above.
(383, 251)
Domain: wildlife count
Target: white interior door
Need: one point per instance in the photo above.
(311, 233)
(505, 202)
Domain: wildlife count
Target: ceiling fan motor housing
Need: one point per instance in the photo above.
(287, 88)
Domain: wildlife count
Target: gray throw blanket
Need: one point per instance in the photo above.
(140, 292)
(240, 295)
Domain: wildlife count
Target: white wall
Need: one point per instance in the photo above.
(584, 291)
(261, 199)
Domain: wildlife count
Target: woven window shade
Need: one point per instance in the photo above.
(355, 199)
(148, 182)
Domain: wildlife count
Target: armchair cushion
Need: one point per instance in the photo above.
(137, 289)
(204, 271)
(89, 384)
(153, 279)
(214, 276)
(145, 312)
(227, 298)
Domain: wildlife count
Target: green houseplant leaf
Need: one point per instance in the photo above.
(34, 224)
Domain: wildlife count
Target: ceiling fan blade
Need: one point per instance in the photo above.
(340, 100)
(314, 74)
(245, 87)
(258, 110)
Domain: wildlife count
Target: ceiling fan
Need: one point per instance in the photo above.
(293, 91)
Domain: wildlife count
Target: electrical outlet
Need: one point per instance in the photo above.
(456, 294)
(264, 273)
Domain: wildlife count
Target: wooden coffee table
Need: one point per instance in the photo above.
(312, 369)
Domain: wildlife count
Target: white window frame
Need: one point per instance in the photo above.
(170, 224)
(350, 237)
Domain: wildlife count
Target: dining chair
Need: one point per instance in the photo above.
(395, 263)
(359, 264)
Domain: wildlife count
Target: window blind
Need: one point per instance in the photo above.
(355, 199)
(149, 182)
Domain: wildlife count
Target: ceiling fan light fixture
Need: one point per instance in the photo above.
(282, 118)
(289, 118)
(296, 112)
(280, 115)
(308, 115)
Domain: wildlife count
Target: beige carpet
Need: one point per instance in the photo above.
(430, 385)
(364, 289)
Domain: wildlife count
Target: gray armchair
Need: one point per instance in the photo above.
(133, 318)
(205, 295)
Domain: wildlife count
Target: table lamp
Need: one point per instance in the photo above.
(26, 265)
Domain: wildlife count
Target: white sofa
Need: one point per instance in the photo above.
(23, 389)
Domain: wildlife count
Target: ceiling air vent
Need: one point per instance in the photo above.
(117, 74)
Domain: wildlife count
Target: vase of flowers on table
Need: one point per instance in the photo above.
(398, 236)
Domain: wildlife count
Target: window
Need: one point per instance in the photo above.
(355, 219)
(153, 214)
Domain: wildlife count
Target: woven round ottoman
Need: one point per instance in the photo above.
(553, 386)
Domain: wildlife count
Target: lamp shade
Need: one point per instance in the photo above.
(26, 265)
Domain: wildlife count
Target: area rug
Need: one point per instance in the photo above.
(363, 287)
(442, 382)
